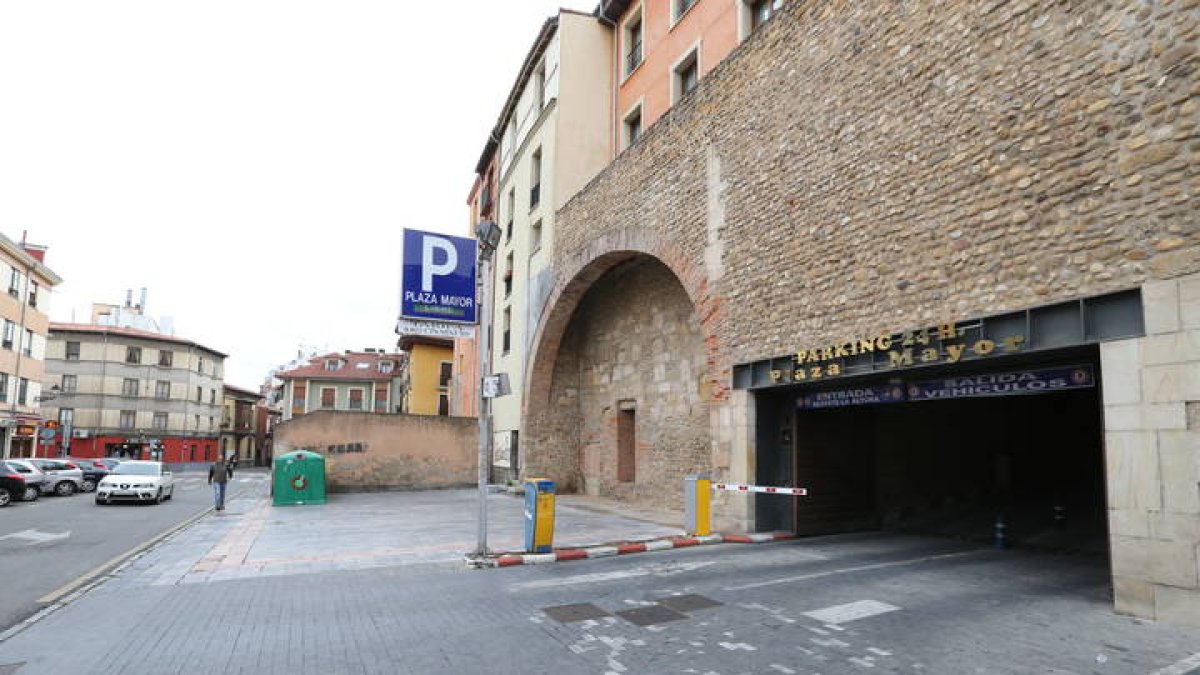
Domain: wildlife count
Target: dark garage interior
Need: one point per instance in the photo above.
(1032, 464)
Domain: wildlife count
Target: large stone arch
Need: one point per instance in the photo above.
(547, 433)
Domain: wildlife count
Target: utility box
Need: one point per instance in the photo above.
(539, 515)
(298, 478)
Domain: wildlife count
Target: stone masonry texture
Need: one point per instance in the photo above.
(883, 165)
(367, 451)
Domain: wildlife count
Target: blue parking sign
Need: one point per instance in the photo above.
(437, 279)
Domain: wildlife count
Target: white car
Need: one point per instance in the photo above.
(136, 481)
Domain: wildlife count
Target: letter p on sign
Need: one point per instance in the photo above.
(430, 268)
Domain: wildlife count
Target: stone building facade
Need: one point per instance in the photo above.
(863, 169)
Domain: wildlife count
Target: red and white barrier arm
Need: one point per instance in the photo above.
(734, 487)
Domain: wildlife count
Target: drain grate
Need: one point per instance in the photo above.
(568, 613)
(688, 603)
(650, 615)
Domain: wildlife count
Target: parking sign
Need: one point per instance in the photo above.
(437, 280)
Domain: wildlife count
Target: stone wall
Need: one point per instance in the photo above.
(866, 167)
(366, 451)
(885, 165)
(1152, 442)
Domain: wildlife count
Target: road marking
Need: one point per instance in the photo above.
(1182, 668)
(851, 611)
(36, 537)
(641, 571)
(859, 568)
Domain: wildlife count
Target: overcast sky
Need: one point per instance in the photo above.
(251, 163)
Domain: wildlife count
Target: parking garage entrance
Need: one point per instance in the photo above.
(1010, 453)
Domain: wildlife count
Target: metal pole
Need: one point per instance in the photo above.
(485, 421)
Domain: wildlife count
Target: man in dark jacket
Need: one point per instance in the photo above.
(218, 477)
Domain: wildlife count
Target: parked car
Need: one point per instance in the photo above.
(136, 481)
(93, 470)
(11, 485)
(36, 481)
(67, 477)
(109, 462)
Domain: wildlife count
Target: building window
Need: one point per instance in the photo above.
(356, 399)
(535, 178)
(200, 365)
(133, 355)
(196, 422)
(333, 364)
(72, 351)
(10, 333)
(33, 293)
(129, 387)
(162, 390)
(754, 13)
(328, 397)
(211, 423)
(298, 397)
(535, 238)
(128, 419)
(387, 366)
(687, 76)
(3, 387)
(443, 404)
(69, 383)
(506, 343)
(626, 441)
(682, 6)
(539, 88)
(65, 417)
(212, 396)
(199, 394)
(445, 374)
(508, 275)
(14, 283)
(166, 357)
(512, 208)
(23, 392)
(160, 421)
(27, 343)
(633, 43)
(632, 127)
(381, 399)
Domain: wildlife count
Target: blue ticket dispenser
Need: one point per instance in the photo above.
(539, 515)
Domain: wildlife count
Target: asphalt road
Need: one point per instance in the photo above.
(50, 544)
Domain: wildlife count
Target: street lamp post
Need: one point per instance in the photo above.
(488, 235)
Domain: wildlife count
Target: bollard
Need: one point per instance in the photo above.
(697, 505)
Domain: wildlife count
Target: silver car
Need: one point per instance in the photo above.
(36, 482)
(65, 476)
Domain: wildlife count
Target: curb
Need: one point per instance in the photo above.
(623, 548)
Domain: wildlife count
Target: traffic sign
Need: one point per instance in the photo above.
(437, 280)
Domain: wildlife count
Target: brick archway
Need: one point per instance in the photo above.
(580, 272)
(556, 443)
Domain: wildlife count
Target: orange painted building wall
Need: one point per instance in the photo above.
(711, 24)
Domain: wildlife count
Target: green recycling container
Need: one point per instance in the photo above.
(298, 478)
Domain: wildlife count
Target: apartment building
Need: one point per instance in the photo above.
(663, 48)
(427, 374)
(367, 381)
(238, 425)
(25, 312)
(127, 392)
(549, 140)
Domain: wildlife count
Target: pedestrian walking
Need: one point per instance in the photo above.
(218, 477)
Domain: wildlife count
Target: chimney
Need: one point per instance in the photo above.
(142, 305)
(38, 253)
(129, 297)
